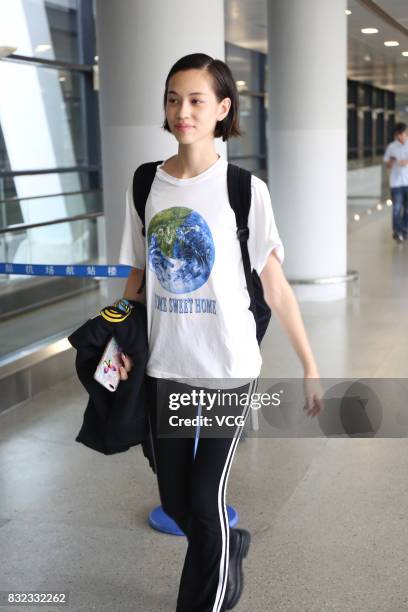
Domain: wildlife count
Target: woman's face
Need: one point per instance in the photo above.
(191, 102)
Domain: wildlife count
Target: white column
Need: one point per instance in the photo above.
(138, 42)
(307, 139)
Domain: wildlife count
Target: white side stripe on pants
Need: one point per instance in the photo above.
(222, 509)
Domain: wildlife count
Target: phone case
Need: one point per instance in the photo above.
(107, 372)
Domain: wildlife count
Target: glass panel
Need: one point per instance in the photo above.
(352, 92)
(244, 65)
(73, 242)
(248, 68)
(361, 91)
(380, 134)
(41, 122)
(40, 209)
(352, 133)
(248, 142)
(48, 120)
(38, 28)
(379, 98)
(390, 127)
(368, 134)
(390, 99)
(35, 185)
(48, 305)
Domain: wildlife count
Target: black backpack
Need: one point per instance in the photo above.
(239, 192)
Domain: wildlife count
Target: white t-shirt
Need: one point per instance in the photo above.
(398, 174)
(199, 325)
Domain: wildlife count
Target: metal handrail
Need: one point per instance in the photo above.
(327, 280)
(8, 173)
(49, 195)
(14, 57)
(25, 226)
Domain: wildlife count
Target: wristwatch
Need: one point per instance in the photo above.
(123, 304)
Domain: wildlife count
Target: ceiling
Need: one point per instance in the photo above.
(398, 9)
(368, 59)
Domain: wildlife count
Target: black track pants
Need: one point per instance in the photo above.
(192, 492)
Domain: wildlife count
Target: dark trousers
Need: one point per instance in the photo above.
(399, 196)
(192, 491)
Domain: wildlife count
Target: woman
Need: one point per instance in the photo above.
(199, 323)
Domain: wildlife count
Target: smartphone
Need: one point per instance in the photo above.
(107, 372)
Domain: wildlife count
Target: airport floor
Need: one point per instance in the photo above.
(328, 516)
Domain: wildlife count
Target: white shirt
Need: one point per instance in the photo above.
(199, 325)
(398, 174)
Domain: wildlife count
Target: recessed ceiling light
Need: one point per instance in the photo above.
(391, 43)
(62, 79)
(367, 58)
(369, 31)
(348, 12)
(405, 53)
(96, 58)
(42, 48)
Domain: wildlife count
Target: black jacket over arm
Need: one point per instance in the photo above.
(114, 421)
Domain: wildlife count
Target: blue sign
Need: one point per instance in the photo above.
(89, 270)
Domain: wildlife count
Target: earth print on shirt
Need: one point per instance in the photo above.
(180, 249)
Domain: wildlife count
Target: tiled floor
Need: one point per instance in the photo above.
(327, 515)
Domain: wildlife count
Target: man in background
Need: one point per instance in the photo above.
(396, 158)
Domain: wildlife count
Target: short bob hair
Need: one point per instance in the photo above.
(223, 86)
(400, 128)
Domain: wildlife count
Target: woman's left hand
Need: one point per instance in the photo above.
(314, 392)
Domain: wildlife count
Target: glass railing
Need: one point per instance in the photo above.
(39, 305)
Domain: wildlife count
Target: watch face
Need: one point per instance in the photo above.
(123, 304)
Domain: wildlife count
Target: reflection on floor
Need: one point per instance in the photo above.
(327, 515)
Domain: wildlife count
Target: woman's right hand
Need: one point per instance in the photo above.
(128, 365)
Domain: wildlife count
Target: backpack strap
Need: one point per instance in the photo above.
(142, 183)
(239, 193)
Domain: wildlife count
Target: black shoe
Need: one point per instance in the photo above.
(398, 237)
(239, 545)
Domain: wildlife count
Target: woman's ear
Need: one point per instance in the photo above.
(225, 105)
